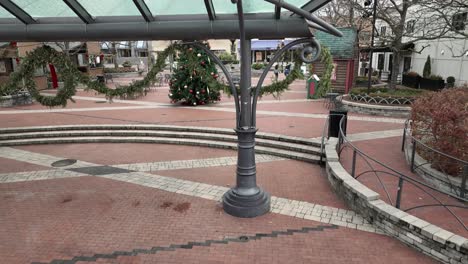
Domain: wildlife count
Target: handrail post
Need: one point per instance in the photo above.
(404, 139)
(463, 183)
(413, 153)
(339, 145)
(353, 168)
(400, 191)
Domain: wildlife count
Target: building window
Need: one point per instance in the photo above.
(410, 26)
(383, 31)
(459, 21)
(142, 54)
(125, 53)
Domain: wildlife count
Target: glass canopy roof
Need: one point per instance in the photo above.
(45, 8)
(45, 20)
(98, 8)
(4, 13)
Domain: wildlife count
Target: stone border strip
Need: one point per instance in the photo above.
(379, 110)
(190, 164)
(417, 233)
(190, 245)
(38, 175)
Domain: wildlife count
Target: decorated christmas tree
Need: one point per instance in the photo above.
(194, 80)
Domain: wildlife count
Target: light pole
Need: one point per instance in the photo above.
(374, 17)
(246, 199)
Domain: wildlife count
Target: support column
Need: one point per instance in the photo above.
(246, 199)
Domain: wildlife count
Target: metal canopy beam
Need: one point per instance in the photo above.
(277, 12)
(314, 5)
(221, 28)
(17, 11)
(80, 11)
(210, 9)
(144, 10)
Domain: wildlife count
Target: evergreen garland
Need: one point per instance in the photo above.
(24, 78)
(325, 84)
(71, 76)
(277, 87)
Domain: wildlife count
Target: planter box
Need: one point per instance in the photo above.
(411, 81)
(430, 84)
(17, 99)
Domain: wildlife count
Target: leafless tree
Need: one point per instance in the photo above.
(343, 13)
(411, 21)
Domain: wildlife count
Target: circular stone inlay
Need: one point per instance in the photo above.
(63, 163)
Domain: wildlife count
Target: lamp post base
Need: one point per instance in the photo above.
(246, 206)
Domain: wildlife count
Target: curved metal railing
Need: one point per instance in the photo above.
(445, 165)
(344, 142)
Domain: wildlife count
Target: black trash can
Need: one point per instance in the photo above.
(334, 122)
(100, 78)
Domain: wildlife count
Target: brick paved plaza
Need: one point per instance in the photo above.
(160, 203)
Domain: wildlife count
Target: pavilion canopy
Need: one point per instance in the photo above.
(46, 20)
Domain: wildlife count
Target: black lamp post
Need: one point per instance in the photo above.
(246, 199)
(374, 17)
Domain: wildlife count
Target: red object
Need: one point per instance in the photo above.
(191, 91)
(349, 76)
(14, 44)
(101, 57)
(54, 76)
(311, 89)
(18, 60)
(202, 63)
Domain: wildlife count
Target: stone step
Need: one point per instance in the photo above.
(149, 133)
(313, 158)
(207, 130)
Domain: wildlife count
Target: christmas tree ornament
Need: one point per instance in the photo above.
(198, 55)
(198, 92)
(185, 86)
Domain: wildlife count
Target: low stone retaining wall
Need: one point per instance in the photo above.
(379, 110)
(417, 233)
(17, 99)
(438, 179)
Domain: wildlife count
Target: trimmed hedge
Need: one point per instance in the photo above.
(385, 92)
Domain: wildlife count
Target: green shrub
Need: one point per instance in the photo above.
(385, 92)
(439, 120)
(258, 66)
(127, 64)
(119, 70)
(364, 80)
(436, 77)
(412, 74)
(451, 79)
(427, 67)
(225, 56)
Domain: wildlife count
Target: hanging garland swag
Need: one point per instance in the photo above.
(71, 76)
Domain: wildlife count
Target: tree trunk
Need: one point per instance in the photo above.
(114, 54)
(395, 69)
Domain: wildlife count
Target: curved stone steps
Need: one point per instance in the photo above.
(207, 130)
(159, 134)
(266, 143)
(313, 158)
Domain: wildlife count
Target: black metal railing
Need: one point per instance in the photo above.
(452, 172)
(438, 198)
